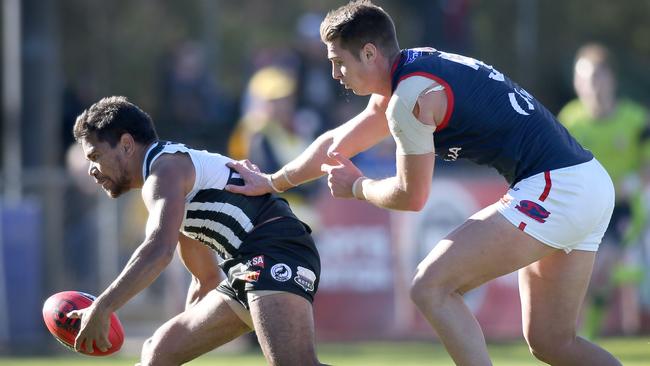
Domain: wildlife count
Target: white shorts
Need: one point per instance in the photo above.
(567, 208)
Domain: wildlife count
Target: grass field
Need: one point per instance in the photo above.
(631, 352)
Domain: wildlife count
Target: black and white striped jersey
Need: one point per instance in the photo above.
(215, 217)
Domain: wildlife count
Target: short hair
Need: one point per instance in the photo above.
(110, 118)
(357, 23)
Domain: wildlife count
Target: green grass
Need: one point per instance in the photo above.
(631, 352)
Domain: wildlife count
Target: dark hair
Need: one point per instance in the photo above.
(112, 117)
(357, 23)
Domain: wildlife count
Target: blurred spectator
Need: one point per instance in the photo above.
(74, 101)
(80, 220)
(266, 134)
(194, 108)
(316, 93)
(616, 130)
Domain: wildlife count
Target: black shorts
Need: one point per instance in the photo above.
(278, 256)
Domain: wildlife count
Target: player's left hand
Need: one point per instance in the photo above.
(95, 325)
(341, 177)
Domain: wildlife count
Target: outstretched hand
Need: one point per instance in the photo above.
(342, 176)
(256, 183)
(94, 329)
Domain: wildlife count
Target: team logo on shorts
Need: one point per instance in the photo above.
(257, 261)
(281, 272)
(244, 272)
(248, 276)
(533, 210)
(305, 278)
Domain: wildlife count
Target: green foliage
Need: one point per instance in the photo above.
(560, 28)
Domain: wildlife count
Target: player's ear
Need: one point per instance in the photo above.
(127, 144)
(368, 52)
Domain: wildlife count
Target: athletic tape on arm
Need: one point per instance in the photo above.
(411, 136)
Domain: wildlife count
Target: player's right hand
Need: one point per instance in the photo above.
(95, 324)
(256, 183)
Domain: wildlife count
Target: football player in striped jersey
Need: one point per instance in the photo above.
(270, 262)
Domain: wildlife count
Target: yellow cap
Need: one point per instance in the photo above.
(271, 83)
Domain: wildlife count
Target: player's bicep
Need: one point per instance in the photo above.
(365, 130)
(163, 194)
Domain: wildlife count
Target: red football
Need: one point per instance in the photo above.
(65, 329)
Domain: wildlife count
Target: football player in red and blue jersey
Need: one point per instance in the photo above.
(548, 225)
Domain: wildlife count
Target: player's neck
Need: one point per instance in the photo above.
(136, 164)
(384, 86)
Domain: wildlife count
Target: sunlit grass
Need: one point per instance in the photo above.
(631, 352)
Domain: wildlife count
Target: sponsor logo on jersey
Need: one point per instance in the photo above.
(305, 278)
(281, 272)
(413, 53)
(533, 210)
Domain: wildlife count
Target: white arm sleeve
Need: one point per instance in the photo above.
(412, 137)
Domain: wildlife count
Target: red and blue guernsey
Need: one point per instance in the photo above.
(490, 120)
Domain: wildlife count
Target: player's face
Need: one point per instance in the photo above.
(107, 165)
(348, 69)
(594, 83)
